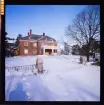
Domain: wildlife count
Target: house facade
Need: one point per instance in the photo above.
(38, 45)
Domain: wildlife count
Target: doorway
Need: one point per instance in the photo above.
(48, 51)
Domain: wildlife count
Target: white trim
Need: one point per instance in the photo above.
(49, 47)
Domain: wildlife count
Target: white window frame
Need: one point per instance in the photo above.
(25, 43)
(25, 51)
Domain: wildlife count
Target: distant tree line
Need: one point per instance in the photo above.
(80, 50)
(9, 47)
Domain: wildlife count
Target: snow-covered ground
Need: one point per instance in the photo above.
(64, 80)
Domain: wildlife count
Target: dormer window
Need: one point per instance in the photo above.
(25, 43)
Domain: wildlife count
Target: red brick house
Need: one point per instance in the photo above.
(37, 45)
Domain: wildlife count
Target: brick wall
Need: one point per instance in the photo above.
(30, 47)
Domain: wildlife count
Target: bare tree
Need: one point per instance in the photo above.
(85, 26)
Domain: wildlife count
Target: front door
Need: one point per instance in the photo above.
(48, 51)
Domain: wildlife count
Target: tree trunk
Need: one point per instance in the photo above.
(87, 57)
(94, 55)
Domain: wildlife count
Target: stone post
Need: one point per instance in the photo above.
(39, 64)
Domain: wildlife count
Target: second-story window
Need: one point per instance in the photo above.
(34, 44)
(25, 43)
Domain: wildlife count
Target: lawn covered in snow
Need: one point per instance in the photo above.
(64, 80)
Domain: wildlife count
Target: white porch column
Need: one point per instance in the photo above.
(43, 51)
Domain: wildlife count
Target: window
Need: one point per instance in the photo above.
(25, 43)
(34, 44)
(34, 51)
(55, 50)
(25, 51)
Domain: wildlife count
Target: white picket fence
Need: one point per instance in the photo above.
(20, 70)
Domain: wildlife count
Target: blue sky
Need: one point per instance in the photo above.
(51, 19)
